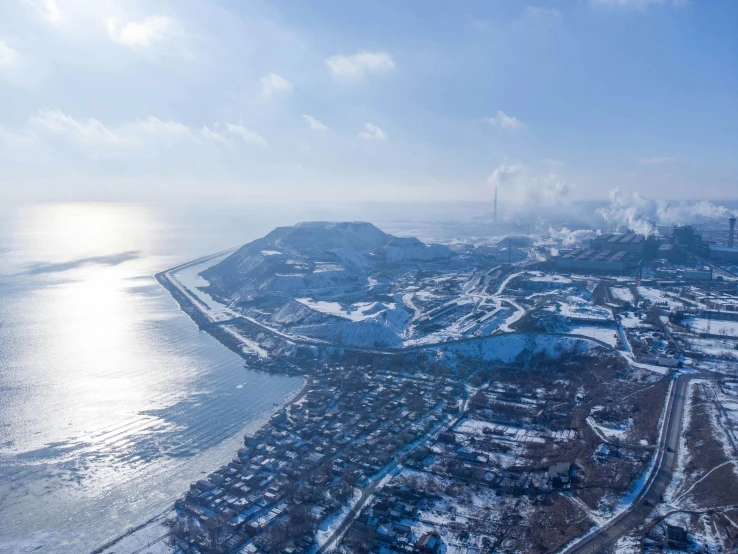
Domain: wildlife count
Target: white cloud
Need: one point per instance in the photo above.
(505, 121)
(156, 126)
(274, 84)
(223, 132)
(246, 134)
(505, 174)
(638, 213)
(519, 189)
(47, 9)
(315, 125)
(90, 132)
(142, 34)
(140, 133)
(357, 66)
(9, 58)
(658, 161)
(638, 4)
(372, 132)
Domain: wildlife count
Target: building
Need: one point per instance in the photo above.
(698, 274)
(625, 242)
(672, 254)
(685, 236)
(560, 475)
(723, 253)
(589, 260)
(676, 537)
(429, 543)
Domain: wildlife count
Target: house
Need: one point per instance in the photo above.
(385, 534)
(447, 437)
(676, 537)
(429, 543)
(560, 475)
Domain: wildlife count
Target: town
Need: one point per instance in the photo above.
(529, 395)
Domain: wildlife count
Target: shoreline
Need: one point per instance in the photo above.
(231, 343)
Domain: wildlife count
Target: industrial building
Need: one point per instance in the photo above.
(627, 242)
(698, 274)
(684, 236)
(610, 253)
(723, 253)
(590, 260)
(728, 253)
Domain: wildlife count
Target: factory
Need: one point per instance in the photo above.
(627, 242)
(727, 253)
(610, 253)
(589, 260)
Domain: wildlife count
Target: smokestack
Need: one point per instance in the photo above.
(495, 214)
(731, 221)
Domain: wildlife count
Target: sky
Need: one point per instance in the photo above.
(387, 101)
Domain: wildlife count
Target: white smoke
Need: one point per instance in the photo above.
(571, 238)
(519, 188)
(641, 214)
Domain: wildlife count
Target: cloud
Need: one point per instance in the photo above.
(372, 132)
(570, 238)
(9, 58)
(638, 4)
(638, 213)
(658, 161)
(520, 189)
(504, 174)
(504, 121)
(314, 124)
(156, 126)
(222, 133)
(47, 9)
(142, 34)
(140, 133)
(274, 84)
(357, 66)
(89, 132)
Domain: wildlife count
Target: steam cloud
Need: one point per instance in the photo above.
(521, 189)
(570, 238)
(640, 214)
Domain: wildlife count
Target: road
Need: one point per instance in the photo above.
(605, 538)
(235, 316)
(370, 489)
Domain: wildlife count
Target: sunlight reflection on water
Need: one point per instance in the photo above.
(111, 400)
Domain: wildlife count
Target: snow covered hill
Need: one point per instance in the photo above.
(329, 281)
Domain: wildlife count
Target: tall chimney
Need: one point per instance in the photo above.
(495, 216)
(731, 221)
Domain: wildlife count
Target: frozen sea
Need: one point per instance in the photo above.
(111, 400)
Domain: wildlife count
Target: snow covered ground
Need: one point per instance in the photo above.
(623, 294)
(712, 326)
(330, 525)
(605, 334)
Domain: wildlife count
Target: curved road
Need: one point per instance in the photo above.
(604, 538)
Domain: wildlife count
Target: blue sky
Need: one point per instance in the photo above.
(430, 100)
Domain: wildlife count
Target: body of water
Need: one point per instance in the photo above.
(111, 400)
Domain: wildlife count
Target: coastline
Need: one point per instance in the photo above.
(231, 343)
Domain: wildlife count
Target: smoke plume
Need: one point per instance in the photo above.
(641, 214)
